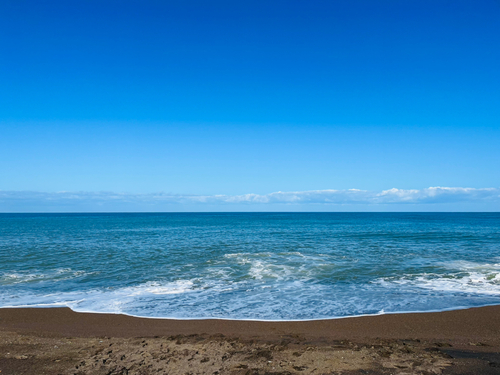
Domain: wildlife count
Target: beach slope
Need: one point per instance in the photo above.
(60, 341)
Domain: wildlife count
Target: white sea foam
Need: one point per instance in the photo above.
(61, 274)
(176, 287)
(268, 286)
(463, 265)
(462, 277)
(261, 270)
(100, 300)
(281, 266)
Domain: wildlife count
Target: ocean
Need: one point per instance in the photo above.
(259, 266)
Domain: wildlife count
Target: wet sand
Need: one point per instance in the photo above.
(60, 341)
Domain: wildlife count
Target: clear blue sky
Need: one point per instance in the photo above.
(230, 98)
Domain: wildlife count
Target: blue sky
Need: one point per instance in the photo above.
(197, 105)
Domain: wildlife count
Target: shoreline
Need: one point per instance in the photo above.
(51, 306)
(60, 340)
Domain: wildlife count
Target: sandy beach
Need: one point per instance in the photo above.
(60, 341)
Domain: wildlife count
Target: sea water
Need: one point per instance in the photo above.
(266, 266)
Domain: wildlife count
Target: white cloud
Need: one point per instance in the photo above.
(14, 201)
(438, 195)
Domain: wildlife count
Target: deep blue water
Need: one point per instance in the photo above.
(276, 266)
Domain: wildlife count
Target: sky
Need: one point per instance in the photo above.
(390, 105)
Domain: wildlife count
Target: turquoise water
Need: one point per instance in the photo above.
(270, 266)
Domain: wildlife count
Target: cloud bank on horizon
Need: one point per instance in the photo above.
(351, 199)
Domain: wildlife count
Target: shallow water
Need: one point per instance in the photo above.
(270, 266)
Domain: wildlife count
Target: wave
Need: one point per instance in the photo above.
(461, 277)
(61, 274)
(262, 286)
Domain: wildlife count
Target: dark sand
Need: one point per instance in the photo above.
(60, 341)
